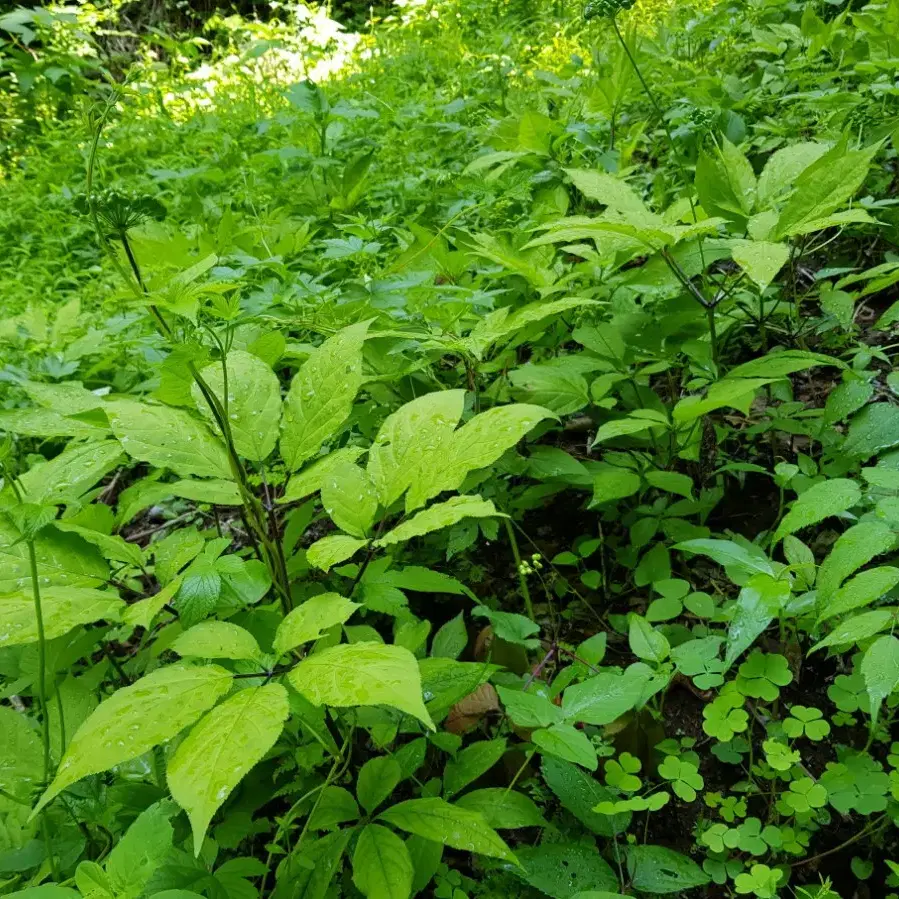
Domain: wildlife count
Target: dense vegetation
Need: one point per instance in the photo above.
(452, 451)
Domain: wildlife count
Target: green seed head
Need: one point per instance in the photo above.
(605, 9)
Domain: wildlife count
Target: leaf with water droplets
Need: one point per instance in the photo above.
(168, 438)
(217, 754)
(63, 608)
(820, 501)
(363, 674)
(321, 395)
(216, 640)
(410, 439)
(68, 475)
(382, 868)
(349, 498)
(438, 820)
(136, 718)
(440, 515)
(307, 621)
(253, 402)
(313, 476)
(20, 754)
(332, 550)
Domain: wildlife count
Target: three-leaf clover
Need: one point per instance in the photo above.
(803, 796)
(635, 804)
(806, 721)
(684, 776)
(725, 716)
(857, 782)
(762, 675)
(622, 773)
(848, 693)
(779, 756)
(760, 880)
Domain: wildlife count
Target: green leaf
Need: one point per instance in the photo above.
(321, 395)
(725, 182)
(552, 386)
(136, 718)
(820, 501)
(438, 820)
(862, 590)
(20, 755)
(602, 699)
(399, 458)
(560, 870)
(350, 499)
(377, 779)
(783, 168)
(880, 669)
(313, 476)
(671, 482)
(308, 621)
(603, 188)
(363, 674)
(824, 186)
(253, 402)
(873, 430)
(74, 471)
(382, 868)
(438, 516)
(470, 763)
(566, 742)
(736, 392)
(477, 444)
(62, 609)
(332, 550)
(853, 549)
(859, 627)
(757, 605)
(580, 794)
(610, 486)
(657, 870)
(502, 808)
(113, 547)
(781, 364)
(729, 555)
(529, 709)
(221, 749)
(452, 638)
(624, 427)
(44, 423)
(760, 259)
(141, 850)
(216, 640)
(646, 642)
(168, 438)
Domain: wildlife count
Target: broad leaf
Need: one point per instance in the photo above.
(253, 402)
(853, 549)
(350, 499)
(168, 438)
(820, 501)
(332, 550)
(71, 473)
(321, 395)
(502, 808)
(135, 719)
(659, 870)
(760, 259)
(563, 869)
(880, 669)
(858, 628)
(363, 674)
(757, 605)
(314, 475)
(217, 754)
(605, 697)
(377, 779)
(382, 868)
(438, 820)
(309, 620)
(216, 640)
(62, 609)
(438, 516)
(862, 590)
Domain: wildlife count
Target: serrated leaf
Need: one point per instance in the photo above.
(470, 763)
(760, 259)
(62, 609)
(859, 627)
(552, 386)
(580, 793)
(332, 550)
(659, 870)
(216, 640)
(113, 547)
(671, 482)
(438, 516)
(862, 590)
(438, 820)
(314, 475)
(136, 718)
(382, 867)
(20, 755)
(321, 395)
(477, 444)
(725, 182)
(308, 621)
(610, 486)
(729, 554)
(873, 430)
(560, 870)
(646, 642)
(450, 641)
(781, 364)
(46, 423)
(363, 674)
(566, 742)
(168, 438)
(736, 392)
(880, 669)
(221, 749)
(853, 549)
(820, 501)
(349, 498)
(409, 439)
(605, 697)
(783, 168)
(74, 471)
(603, 188)
(253, 402)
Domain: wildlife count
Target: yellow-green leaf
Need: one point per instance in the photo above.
(308, 621)
(62, 609)
(382, 867)
(440, 515)
(332, 550)
(216, 640)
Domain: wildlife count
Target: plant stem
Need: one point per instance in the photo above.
(41, 695)
(713, 333)
(522, 577)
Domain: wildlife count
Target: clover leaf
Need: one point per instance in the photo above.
(779, 756)
(857, 782)
(684, 776)
(725, 716)
(622, 773)
(760, 880)
(806, 721)
(848, 693)
(762, 675)
(803, 796)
